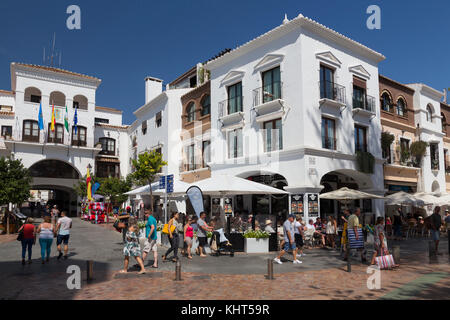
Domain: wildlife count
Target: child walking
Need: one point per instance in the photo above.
(132, 248)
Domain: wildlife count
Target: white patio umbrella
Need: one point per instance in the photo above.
(346, 194)
(402, 198)
(444, 199)
(427, 198)
(179, 188)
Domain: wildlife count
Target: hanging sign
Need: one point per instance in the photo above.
(313, 205)
(228, 206)
(297, 204)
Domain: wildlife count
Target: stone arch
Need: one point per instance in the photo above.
(80, 102)
(435, 187)
(32, 94)
(54, 168)
(57, 98)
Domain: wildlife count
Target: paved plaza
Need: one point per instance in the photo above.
(322, 275)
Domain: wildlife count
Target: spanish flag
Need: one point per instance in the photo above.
(88, 186)
(52, 125)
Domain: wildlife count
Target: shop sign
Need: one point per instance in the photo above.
(297, 204)
(313, 205)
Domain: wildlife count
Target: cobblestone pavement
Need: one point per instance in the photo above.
(321, 276)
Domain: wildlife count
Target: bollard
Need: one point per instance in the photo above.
(269, 269)
(349, 265)
(178, 271)
(396, 254)
(431, 249)
(90, 270)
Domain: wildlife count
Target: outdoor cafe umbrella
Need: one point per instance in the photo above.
(346, 195)
(179, 188)
(402, 198)
(427, 198)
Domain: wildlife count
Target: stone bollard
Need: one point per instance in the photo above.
(431, 249)
(269, 269)
(396, 254)
(349, 265)
(90, 270)
(178, 271)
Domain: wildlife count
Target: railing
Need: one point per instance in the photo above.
(332, 91)
(231, 106)
(434, 165)
(267, 93)
(366, 103)
(329, 143)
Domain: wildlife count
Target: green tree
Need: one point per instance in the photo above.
(147, 167)
(15, 183)
(114, 188)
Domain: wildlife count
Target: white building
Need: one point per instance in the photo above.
(318, 88)
(57, 159)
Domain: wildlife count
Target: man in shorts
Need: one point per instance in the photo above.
(63, 234)
(203, 228)
(289, 240)
(436, 223)
(151, 237)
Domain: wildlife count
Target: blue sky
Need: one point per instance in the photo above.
(122, 42)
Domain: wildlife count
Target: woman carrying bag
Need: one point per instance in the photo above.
(381, 248)
(172, 231)
(28, 238)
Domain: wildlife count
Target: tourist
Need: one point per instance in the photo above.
(63, 232)
(55, 213)
(389, 226)
(380, 240)
(150, 238)
(397, 224)
(298, 235)
(289, 240)
(353, 224)
(331, 230)
(280, 234)
(45, 231)
(316, 234)
(188, 236)
(173, 228)
(28, 239)
(203, 228)
(268, 226)
(447, 222)
(124, 218)
(436, 223)
(132, 247)
(318, 224)
(46, 211)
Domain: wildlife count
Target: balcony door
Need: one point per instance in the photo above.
(235, 98)
(271, 85)
(326, 82)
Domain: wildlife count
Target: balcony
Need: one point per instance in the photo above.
(329, 143)
(267, 102)
(332, 94)
(231, 112)
(364, 106)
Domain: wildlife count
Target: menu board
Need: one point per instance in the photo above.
(313, 205)
(228, 206)
(297, 204)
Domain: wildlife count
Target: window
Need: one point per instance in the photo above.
(328, 134)
(429, 114)
(326, 83)
(30, 131)
(206, 146)
(57, 98)
(206, 105)
(273, 135)
(444, 123)
(76, 105)
(434, 154)
(387, 154)
(35, 99)
(107, 169)
(80, 102)
(158, 119)
(193, 81)
(404, 151)
(190, 157)
(56, 136)
(360, 139)
(190, 112)
(235, 98)
(271, 85)
(359, 93)
(79, 137)
(401, 107)
(108, 146)
(6, 131)
(386, 102)
(32, 94)
(235, 142)
(101, 120)
(144, 127)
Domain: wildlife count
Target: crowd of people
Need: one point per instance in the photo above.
(55, 224)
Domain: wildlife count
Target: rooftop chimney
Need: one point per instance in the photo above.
(153, 87)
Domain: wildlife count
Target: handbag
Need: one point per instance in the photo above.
(20, 235)
(353, 242)
(165, 229)
(385, 262)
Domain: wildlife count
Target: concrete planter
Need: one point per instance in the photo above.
(252, 245)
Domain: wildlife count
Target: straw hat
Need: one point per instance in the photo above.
(268, 221)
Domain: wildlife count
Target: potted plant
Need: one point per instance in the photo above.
(256, 241)
(386, 140)
(159, 227)
(141, 225)
(418, 150)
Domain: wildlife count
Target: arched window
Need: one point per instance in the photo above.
(80, 102)
(108, 146)
(429, 113)
(444, 123)
(401, 107)
(206, 105)
(79, 136)
(190, 112)
(386, 102)
(56, 136)
(30, 131)
(32, 94)
(57, 98)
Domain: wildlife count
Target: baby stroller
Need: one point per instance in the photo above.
(219, 244)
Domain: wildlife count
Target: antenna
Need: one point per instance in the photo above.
(54, 57)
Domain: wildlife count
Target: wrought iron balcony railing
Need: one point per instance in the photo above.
(267, 93)
(332, 91)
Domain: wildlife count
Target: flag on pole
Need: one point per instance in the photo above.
(41, 118)
(66, 120)
(75, 120)
(88, 186)
(52, 125)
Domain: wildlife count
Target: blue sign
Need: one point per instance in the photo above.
(162, 182)
(169, 184)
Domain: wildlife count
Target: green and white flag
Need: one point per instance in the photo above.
(66, 120)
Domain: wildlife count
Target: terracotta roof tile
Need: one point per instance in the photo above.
(7, 92)
(108, 109)
(34, 66)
